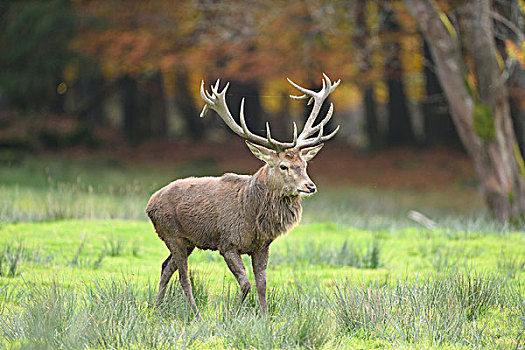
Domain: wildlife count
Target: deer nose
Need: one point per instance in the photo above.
(310, 187)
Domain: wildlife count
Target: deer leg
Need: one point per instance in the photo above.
(234, 261)
(180, 257)
(259, 264)
(168, 268)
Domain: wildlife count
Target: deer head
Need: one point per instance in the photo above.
(286, 161)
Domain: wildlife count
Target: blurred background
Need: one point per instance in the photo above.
(100, 102)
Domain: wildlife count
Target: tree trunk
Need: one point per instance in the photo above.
(438, 125)
(400, 132)
(144, 108)
(371, 123)
(131, 126)
(152, 106)
(361, 42)
(509, 24)
(186, 106)
(482, 119)
(517, 107)
(399, 127)
(252, 105)
(87, 87)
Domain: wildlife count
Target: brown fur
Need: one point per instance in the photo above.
(234, 214)
(220, 213)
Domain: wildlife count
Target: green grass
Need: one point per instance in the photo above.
(55, 189)
(319, 251)
(430, 288)
(79, 267)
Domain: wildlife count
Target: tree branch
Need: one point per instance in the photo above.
(514, 28)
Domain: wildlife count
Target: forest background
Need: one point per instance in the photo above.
(119, 80)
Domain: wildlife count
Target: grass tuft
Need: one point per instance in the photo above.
(439, 311)
(510, 265)
(366, 256)
(11, 257)
(75, 260)
(114, 246)
(432, 311)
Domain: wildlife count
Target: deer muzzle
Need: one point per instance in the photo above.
(307, 189)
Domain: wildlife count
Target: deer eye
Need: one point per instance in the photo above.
(283, 167)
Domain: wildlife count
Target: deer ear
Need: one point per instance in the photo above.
(263, 153)
(310, 152)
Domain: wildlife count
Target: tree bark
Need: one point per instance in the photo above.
(132, 126)
(371, 122)
(438, 125)
(92, 112)
(494, 150)
(400, 132)
(186, 106)
(361, 42)
(252, 105)
(517, 106)
(152, 106)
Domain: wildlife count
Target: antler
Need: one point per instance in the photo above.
(318, 98)
(217, 101)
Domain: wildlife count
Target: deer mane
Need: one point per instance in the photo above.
(271, 212)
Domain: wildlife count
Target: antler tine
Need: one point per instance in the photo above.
(318, 97)
(247, 134)
(327, 79)
(331, 87)
(204, 94)
(300, 88)
(319, 138)
(207, 99)
(332, 134)
(268, 133)
(336, 84)
(325, 120)
(241, 117)
(268, 142)
(302, 97)
(294, 142)
(215, 88)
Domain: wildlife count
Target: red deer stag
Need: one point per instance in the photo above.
(240, 214)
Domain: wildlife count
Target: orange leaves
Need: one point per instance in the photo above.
(134, 37)
(516, 53)
(254, 40)
(122, 51)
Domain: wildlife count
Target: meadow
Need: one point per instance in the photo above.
(80, 263)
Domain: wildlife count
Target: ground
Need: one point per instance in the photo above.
(80, 263)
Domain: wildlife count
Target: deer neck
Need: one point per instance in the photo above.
(272, 213)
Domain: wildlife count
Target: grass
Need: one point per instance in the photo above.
(56, 189)
(439, 311)
(10, 258)
(406, 300)
(79, 267)
(444, 309)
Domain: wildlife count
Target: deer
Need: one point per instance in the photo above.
(240, 214)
